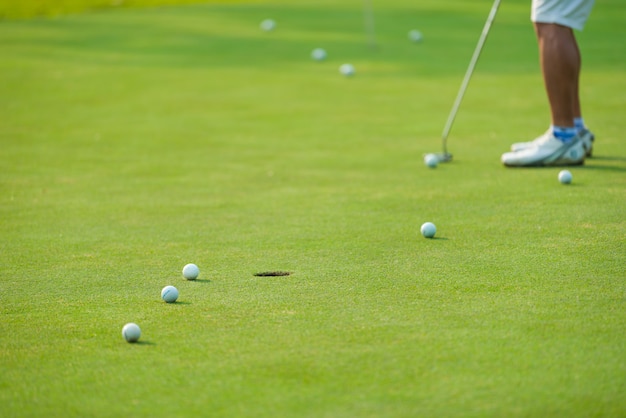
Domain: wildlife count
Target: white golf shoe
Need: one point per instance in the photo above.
(547, 150)
(586, 135)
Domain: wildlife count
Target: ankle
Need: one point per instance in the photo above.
(579, 123)
(564, 133)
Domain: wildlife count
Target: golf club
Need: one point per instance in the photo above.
(368, 14)
(445, 156)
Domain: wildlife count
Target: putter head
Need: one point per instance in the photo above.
(442, 157)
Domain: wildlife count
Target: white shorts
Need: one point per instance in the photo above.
(570, 13)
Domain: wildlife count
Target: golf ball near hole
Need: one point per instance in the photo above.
(268, 25)
(318, 54)
(565, 177)
(347, 70)
(131, 332)
(415, 36)
(169, 294)
(431, 160)
(428, 230)
(191, 271)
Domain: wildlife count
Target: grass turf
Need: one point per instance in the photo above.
(136, 141)
(11, 9)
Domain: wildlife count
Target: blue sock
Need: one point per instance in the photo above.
(564, 133)
(579, 123)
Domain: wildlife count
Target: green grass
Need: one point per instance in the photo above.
(134, 141)
(20, 9)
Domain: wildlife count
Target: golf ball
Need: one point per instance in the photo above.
(131, 332)
(431, 160)
(268, 25)
(565, 177)
(191, 271)
(415, 36)
(428, 230)
(318, 54)
(169, 294)
(347, 70)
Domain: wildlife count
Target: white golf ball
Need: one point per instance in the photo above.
(169, 294)
(565, 177)
(428, 230)
(318, 54)
(131, 332)
(191, 271)
(415, 36)
(347, 70)
(431, 160)
(268, 25)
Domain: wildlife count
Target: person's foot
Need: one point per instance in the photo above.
(586, 135)
(547, 150)
(520, 146)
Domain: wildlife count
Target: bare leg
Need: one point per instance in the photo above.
(577, 111)
(560, 64)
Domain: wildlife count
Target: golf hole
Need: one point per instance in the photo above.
(272, 273)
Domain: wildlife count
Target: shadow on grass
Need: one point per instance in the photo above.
(592, 163)
(144, 343)
(606, 158)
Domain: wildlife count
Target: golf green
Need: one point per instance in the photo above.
(135, 140)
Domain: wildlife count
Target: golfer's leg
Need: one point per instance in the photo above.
(560, 65)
